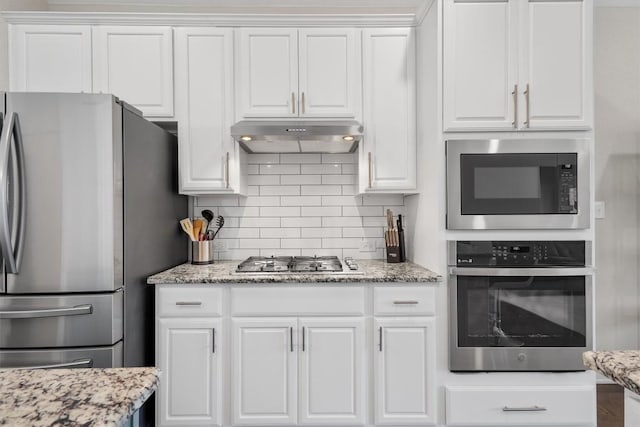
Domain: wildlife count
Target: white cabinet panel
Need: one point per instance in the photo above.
(136, 65)
(188, 357)
(331, 372)
(554, 63)
(329, 72)
(268, 72)
(388, 150)
(50, 58)
(480, 64)
(264, 378)
(405, 371)
(210, 161)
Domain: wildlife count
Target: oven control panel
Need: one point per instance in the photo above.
(489, 253)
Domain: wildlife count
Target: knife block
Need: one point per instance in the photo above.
(393, 254)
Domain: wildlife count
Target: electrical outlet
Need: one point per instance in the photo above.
(600, 210)
(219, 245)
(367, 245)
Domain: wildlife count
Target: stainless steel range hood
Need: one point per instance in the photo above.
(323, 136)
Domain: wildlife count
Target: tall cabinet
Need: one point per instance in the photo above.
(517, 65)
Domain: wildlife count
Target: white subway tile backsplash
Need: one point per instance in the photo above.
(301, 222)
(301, 243)
(301, 204)
(279, 190)
(320, 190)
(326, 169)
(264, 180)
(300, 158)
(301, 200)
(322, 232)
(300, 179)
(279, 169)
(280, 211)
(263, 158)
(339, 158)
(279, 233)
(321, 211)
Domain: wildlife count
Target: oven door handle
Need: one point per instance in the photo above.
(497, 271)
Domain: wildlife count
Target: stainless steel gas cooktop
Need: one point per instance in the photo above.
(298, 264)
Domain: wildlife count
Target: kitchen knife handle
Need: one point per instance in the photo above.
(293, 103)
(370, 169)
(527, 94)
(303, 107)
(515, 106)
(226, 170)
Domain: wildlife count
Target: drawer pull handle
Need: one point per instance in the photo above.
(534, 408)
(192, 303)
(405, 303)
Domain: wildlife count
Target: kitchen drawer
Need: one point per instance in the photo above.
(189, 301)
(521, 406)
(297, 300)
(396, 300)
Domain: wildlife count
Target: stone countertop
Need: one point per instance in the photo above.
(73, 397)
(622, 366)
(377, 271)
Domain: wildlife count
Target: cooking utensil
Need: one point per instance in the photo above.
(220, 224)
(403, 254)
(198, 226)
(208, 215)
(187, 227)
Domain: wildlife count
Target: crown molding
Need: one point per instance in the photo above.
(423, 10)
(617, 3)
(212, 19)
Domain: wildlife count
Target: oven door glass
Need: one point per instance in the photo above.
(538, 311)
(511, 184)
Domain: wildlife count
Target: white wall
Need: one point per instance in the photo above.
(617, 175)
(6, 5)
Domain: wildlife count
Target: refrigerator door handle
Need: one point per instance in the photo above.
(47, 312)
(80, 363)
(12, 245)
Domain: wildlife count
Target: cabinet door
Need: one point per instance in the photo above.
(188, 356)
(136, 65)
(331, 372)
(555, 53)
(329, 72)
(388, 151)
(50, 58)
(267, 83)
(404, 371)
(480, 65)
(204, 110)
(264, 378)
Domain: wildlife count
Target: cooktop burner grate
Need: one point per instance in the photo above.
(298, 264)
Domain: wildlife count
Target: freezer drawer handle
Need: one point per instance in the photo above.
(47, 312)
(534, 408)
(80, 363)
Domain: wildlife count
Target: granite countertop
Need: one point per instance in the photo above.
(377, 271)
(622, 366)
(73, 397)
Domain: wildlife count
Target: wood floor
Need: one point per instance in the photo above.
(610, 405)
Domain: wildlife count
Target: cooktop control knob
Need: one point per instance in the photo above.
(350, 263)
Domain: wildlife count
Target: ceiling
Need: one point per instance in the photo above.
(249, 6)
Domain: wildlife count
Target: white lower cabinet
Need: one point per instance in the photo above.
(290, 371)
(404, 370)
(188, 357)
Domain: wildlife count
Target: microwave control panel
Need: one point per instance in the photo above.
(520, 253)
(568, 188)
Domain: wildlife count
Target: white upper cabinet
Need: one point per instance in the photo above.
(285, 72)
(136, 65)
(388, 149)
(517, 65)
(210, 161)
(50, 58)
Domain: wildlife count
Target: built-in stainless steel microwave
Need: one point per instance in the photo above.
(518, 184)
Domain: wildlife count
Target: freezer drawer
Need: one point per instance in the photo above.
(89, 357)
(61, 321)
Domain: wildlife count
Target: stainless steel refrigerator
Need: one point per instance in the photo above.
(89, 207)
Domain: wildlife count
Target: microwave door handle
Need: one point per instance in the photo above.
(12, 241)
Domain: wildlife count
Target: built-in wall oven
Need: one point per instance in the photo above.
(518, 184)
(519, 305)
